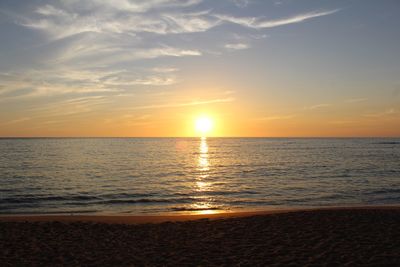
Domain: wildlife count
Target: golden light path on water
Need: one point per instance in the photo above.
(201, 184)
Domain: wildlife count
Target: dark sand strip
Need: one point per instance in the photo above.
(367, 236)
(135, 219)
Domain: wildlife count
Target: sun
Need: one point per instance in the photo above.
(203, 125)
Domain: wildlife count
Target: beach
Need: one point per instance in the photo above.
(353, 236)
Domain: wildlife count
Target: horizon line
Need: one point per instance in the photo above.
(272, 137)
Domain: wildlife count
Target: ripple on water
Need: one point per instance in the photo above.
(153, 175)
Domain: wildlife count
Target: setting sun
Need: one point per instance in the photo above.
(204, 125)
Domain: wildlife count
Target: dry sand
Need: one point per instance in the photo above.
(318, 237)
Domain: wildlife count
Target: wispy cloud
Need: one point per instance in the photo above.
(61, 81)
(237, 46)
(259, 23)
(318, 106)
(385, 113)
(241, 3)
(16, 121)
(84, 35)
(129, 119)
(191, 103)
(276, 117)
(70, 107)
(105, 55)
(355, 100)
(278, 2)
(344, 122)
(294, 19)
(122, 16)
(164, 69)
(150, 80)
(166, 51)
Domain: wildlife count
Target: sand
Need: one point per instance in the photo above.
(316, 237)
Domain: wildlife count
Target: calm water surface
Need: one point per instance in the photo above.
(194, 175)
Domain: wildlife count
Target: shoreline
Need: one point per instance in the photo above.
(141, 219)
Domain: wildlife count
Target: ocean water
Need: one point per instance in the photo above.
(194, 175)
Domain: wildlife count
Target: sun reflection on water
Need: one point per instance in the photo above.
(203, 163)
(204, 205)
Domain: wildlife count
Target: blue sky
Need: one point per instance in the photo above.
(137, 68)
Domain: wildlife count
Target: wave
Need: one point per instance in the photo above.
(85, 200)
(388, 143)
(146, 200)
(384, 191)
(254, 203)
(4, 211)
(193, 209)
(218, 193)
(35, 199)
(386, 199)
(8, 190)
(126, 195)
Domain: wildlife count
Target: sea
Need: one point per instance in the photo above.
(150, 176)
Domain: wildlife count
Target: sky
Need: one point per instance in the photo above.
(279, 68)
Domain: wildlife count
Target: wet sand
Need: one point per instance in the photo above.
(355, 236)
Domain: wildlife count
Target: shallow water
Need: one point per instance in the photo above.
(193, 175)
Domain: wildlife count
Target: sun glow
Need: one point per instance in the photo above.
(204, 125)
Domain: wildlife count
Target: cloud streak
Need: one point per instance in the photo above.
(386, 113)
(277, 117)
(192, 103)
(318, 106)
(355, 100)
(237, 46)
(259, 23)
